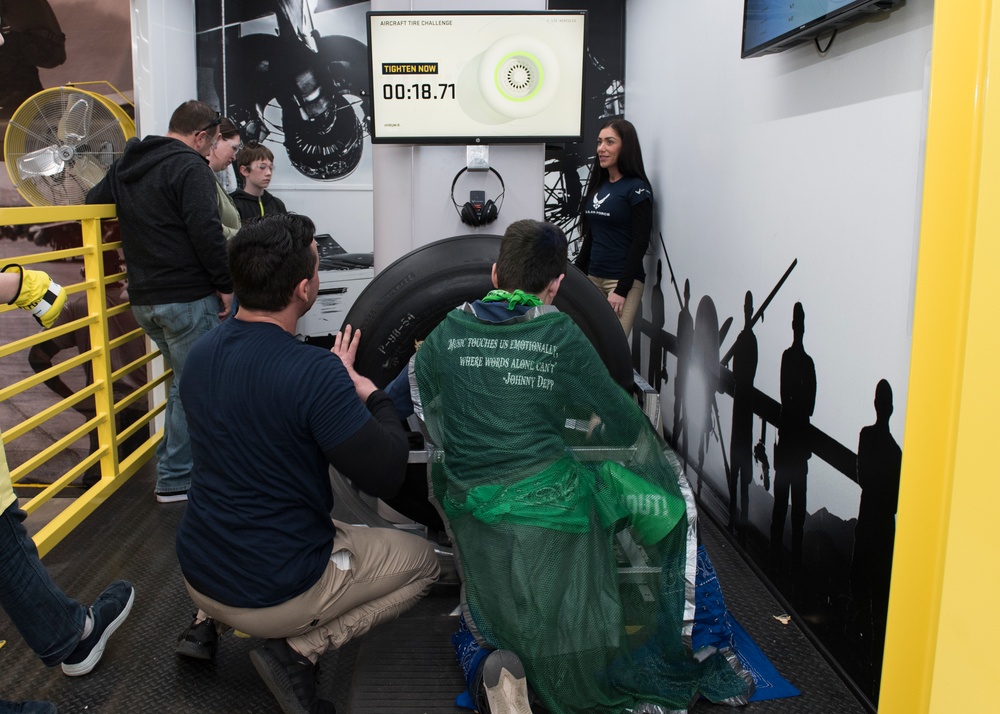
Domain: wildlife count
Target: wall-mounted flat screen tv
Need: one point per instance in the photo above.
(775, 25)
(477, 77)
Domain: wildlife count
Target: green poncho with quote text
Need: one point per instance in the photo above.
(567, 514)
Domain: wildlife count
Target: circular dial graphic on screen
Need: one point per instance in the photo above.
(518, 76)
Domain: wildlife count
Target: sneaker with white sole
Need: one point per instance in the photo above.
(108, 611)
(504, 688)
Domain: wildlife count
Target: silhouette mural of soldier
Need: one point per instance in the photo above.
(657, 352)
(792, 452)
(741, 439)
(685, 341)
(879, 462)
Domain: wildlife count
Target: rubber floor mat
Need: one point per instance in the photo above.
(399, 667)
(407, 665)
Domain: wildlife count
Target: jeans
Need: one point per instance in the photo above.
(49, 621)
(175, 327)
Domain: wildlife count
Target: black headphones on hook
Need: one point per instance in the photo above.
(479, 214)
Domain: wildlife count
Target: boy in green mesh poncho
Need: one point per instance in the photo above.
(572, 526)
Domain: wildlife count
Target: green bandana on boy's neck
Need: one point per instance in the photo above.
(518, 297)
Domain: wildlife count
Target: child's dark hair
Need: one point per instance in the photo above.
(251, 152)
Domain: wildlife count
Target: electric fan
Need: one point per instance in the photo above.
(61, 141)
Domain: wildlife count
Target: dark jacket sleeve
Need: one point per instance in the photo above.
(200, 211)
(640, 223)
(374, 457)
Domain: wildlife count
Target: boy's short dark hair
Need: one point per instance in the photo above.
(251, 152)
(268, 257)
(532, 254)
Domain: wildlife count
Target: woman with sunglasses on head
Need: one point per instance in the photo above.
(617, 217)
(255, 167)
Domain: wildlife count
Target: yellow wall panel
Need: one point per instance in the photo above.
(946, 576)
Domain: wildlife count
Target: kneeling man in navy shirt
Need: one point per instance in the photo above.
(268, 415)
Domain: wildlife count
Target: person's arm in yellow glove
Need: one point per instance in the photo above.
(32, 290)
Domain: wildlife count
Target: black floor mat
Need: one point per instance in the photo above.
(408, 666)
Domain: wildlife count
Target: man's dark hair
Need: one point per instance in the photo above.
(532, 254)
(193, 116)
(270, 256)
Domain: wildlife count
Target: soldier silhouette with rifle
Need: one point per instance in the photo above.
(741, 437)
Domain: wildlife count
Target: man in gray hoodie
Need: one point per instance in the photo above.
(178, 273)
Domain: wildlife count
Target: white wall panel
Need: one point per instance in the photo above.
(163, 58)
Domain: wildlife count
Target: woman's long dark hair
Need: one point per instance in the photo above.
(629, 159)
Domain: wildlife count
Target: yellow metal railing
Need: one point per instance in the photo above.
(13, 359)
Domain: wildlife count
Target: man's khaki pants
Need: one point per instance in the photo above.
(374, 575)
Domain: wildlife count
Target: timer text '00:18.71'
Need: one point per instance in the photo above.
(418, 91)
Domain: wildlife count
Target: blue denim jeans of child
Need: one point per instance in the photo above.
(175, 327)
(49, 621)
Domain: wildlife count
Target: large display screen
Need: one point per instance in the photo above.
(477, 77)
(775, 25)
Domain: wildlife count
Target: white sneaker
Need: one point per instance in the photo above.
(504, 684)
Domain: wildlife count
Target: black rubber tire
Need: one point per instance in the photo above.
(404, 302)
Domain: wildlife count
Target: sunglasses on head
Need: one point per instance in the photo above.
(215, 122)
